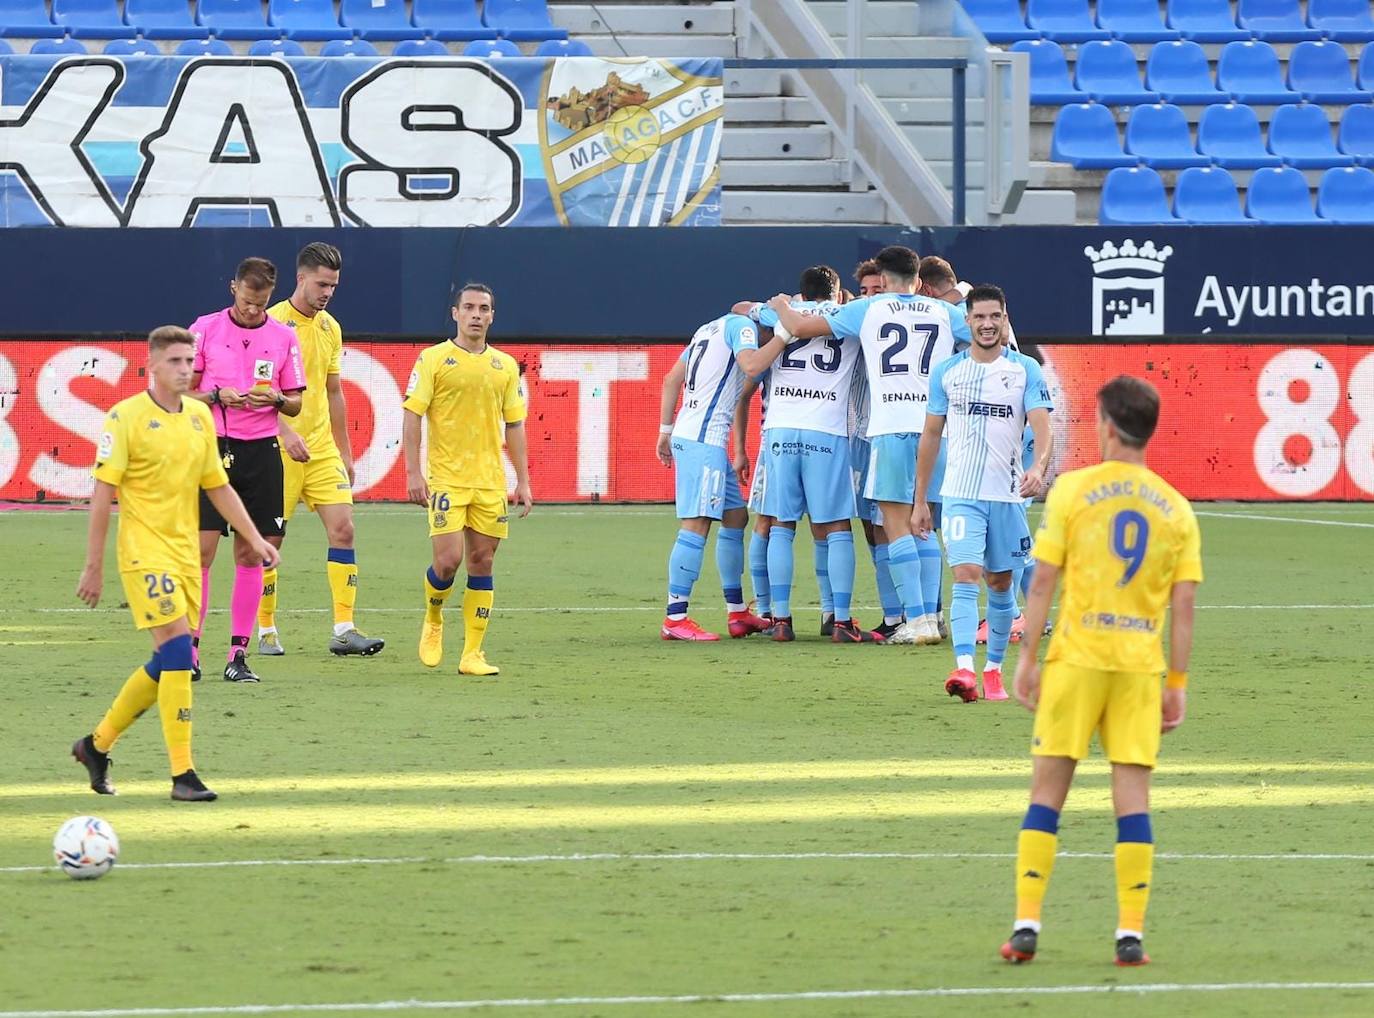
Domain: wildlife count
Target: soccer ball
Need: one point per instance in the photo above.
(85, 848)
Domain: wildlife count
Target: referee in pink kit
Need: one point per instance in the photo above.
(248, 368)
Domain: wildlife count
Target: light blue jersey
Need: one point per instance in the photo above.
(812, 378)
(714, 380)
(985, 408)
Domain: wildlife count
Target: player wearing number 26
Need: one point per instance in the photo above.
(1128, 548)
(158, 451)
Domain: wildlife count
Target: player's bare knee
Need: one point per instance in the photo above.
(735, 519)
(700, 525)
(446, 566)
(340, 533)
(999, 581)
(967, 574)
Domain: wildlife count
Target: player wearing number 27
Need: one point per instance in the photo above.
(1128, 547)
(470, 395)
(158, 451)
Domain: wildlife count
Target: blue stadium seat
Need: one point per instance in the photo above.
(1301, 136)
(1050, 84)
(306, 19)
(27, 19)
(563, 48)
(1107, 71)
(1250, 72)
(1206, 195)
(521, 19)
(1085, 137)
(1064, 20)
(6, 48)
(131, 48)
(349, 48)
(1180, 73)
(1158, 136)
(420, 48)
(1279, 194)
(205, 48)
(1364, 68)
(1230, 135)
(1134, 196)
(55, 47)
(91, 19)
(1275, 20)
(276, 48)
(378, 19)
(1321, 72)
(450, 19)
(1356, 136)
(1133, 21)
(1342, 20)
(235, 19)
(163, 19)
(491, 48)
(1000, 20)
(1205, 20)
(1346, 195)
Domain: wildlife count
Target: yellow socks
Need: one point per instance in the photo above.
(477, 602)
(343, 583)
(174, 702)
(1135, 856)
(1035, 849)
(436, 593)
(137, 695)
(267, 607)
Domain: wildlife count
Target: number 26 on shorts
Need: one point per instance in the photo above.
(155, 582)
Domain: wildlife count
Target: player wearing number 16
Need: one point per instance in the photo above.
(1128, 547)
(158, 451)
(470, 395)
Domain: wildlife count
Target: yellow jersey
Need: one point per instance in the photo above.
(159, 461)
(468, 398)
(1123, 537)
(321, 343)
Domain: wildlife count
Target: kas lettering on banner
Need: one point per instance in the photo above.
(1238, 423)
(315, 142)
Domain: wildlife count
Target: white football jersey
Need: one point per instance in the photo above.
(985, 407)
(811, 379)
(904, 336)
(714, 380)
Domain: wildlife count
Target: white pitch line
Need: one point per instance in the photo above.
(698, 998)
(1285, 519)
(591, 857)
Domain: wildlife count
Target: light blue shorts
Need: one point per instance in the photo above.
(808, 475)
(758, 484)
(892, 468)
(860, 452)
(706, 486)
(993, 535)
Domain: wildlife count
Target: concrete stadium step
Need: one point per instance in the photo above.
(626, 45)
(645, 18)
(935, 111)
(755, 82)
(897, 17)
(779, 143)
(774, 109)
(791, 208)
(936, 142)
(772, 174)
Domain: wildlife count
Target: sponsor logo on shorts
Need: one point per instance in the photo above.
(799, 449)
(503, 519)
(166, 606)
(440, 520)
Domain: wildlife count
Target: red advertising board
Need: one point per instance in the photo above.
(1239, 422)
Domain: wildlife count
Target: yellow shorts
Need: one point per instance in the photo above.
(156, 599)
(1122, 707)
(322, 481)
(455, 509)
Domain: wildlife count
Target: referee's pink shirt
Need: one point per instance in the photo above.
(230, 356)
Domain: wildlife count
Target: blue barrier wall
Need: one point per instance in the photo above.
(584, 284)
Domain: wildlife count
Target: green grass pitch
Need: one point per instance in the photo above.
(615, 817)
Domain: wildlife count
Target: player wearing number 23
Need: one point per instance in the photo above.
(1128, 547)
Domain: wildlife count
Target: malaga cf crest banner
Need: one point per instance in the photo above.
(99, 141)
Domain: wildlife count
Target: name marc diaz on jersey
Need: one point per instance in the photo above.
(792, 392)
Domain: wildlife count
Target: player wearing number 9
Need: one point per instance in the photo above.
(158, 451)
(1128, 547)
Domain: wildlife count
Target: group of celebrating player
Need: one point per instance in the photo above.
(858, 396)
(243, 419)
